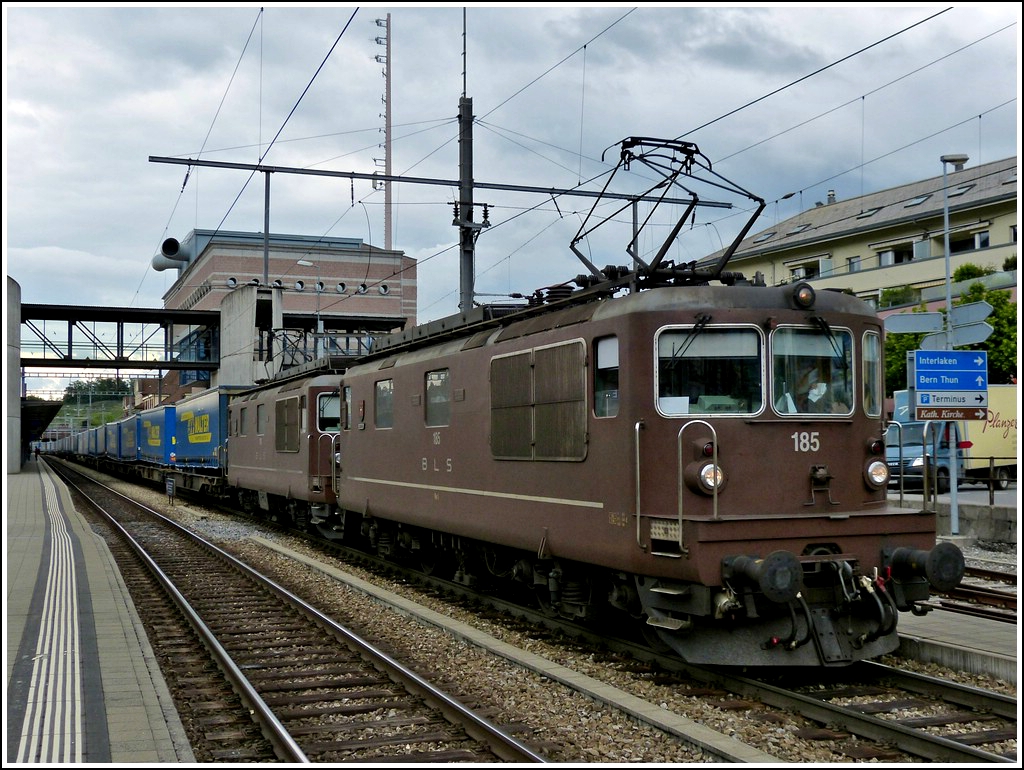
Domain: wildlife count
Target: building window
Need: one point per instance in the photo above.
(805, 272)
(853, 264)
(961, 190)
(897, 255)
(764, 237)
(799, 229)
(869, 212)
(916, 201)
(968, 242)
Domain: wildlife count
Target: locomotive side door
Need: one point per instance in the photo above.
(344, 426)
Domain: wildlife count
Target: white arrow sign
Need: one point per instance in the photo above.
(968, 334)
(971, 334)
(909, 323)
(972, 312)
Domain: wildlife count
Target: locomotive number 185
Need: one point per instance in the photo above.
(805, 441)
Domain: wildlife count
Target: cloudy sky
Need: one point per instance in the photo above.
(781, 99)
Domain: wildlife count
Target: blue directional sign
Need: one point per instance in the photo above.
(951, 370)
(948, 383)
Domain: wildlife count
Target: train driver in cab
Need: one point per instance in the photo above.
(815, 395)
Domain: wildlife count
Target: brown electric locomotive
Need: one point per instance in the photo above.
(676, 444)
(705, 459)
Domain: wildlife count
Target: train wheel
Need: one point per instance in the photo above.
(429, 560)
(653, 639)
(544, 601)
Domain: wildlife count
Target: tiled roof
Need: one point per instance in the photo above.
(987, 183)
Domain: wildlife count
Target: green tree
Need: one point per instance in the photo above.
(897, 295)
(1002, 343)
(99, 389)
(967, 271)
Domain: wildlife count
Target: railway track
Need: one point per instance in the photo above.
(857, 718)
(876, 713)
(881, 713)
(267, 677)
(984, 593)
(869, 713)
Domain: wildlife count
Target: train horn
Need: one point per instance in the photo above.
(778, 575)
(171, 256)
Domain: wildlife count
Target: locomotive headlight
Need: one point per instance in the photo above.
(803, 296)
(711, 477)
(877, 473)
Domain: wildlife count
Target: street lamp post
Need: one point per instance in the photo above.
(317, 288)
(958, 162)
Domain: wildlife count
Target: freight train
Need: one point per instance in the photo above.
(689, 450)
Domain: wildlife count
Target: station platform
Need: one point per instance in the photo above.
(83, 685)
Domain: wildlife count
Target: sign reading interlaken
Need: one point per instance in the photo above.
(951, 384)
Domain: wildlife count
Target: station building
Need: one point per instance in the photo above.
(284, 301)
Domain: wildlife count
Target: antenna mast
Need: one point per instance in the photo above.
(385, 59)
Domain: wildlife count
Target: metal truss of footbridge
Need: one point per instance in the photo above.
(83, 337)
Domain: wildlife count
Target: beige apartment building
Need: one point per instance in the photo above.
(896, 238)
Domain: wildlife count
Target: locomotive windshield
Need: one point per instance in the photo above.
(812, 371)
(709, 371)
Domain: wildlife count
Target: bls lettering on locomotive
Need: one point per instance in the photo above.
(436, 465)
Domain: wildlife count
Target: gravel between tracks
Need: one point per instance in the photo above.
(574, 728)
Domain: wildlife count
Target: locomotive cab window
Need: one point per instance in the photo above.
(872, 374)
(606, 377)
(328, 412)
(438, 398)
(383, 404)
(812, 371)
(709, 371)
